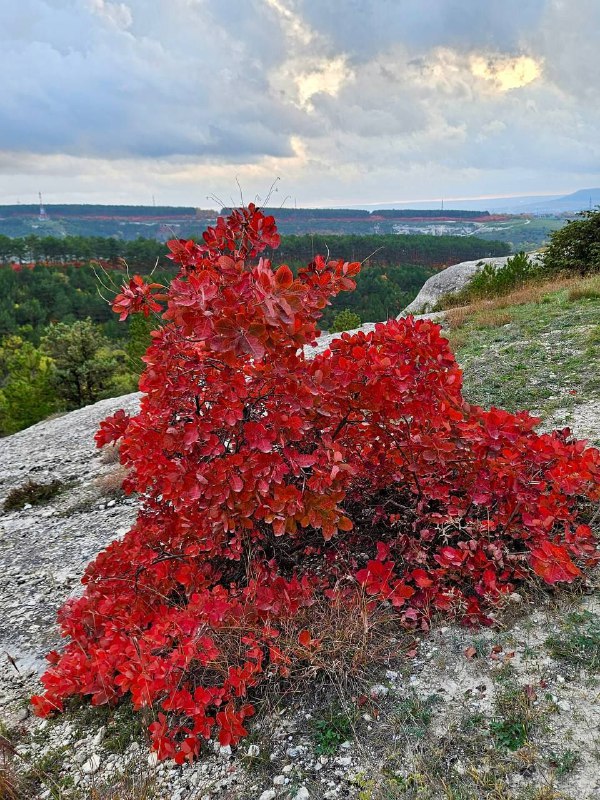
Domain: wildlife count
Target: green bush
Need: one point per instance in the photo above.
(576, 247)
(345, 320)
(493, 281)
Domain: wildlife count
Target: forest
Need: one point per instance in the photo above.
(142, 253)
(61, 346)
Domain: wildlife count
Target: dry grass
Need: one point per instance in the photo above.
(353, 641)
(8, 781)
(456, 318)
(111, 483)
(110, 455)
(492, 318)
(485, 312)
(586, 289)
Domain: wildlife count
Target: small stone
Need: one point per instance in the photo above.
(80, 757)
(254, 751)
(92, 765)
(515, 597)
(279, 780)
(378, 690)
(225, 751)
(152, 759)
(22, 714)
(344, 761)
(564, 705)
(269, 794)
(287, 769)
(346, 745)
(99, 737)
(302, 794)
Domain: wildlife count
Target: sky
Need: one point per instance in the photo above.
(339, 102)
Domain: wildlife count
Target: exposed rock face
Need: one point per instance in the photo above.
(44, 549)
(451, 279)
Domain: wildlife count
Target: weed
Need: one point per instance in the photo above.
(510, 733)
(579, 642)
(411, 716)
(46, 771)
(331, 730)
(515, 718)
(564, 763)
(32, 493)
(125, 727)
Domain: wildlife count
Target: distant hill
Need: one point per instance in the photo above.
(528, 204)
(577, 201)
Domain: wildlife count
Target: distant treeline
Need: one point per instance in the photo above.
(176, 212)
(388, 249)
(84, 210)
(139, 253)
(385, 250)
(359, 213)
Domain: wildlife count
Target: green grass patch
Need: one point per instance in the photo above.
(331, 730)
(578, 642)
(547, 358)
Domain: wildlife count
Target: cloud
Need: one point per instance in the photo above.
(505, 73)
(422, 97)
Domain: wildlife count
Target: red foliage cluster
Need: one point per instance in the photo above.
(270, 479)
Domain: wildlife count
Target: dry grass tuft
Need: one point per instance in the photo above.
(457, 317)
(492, 318)
(111, 483)
(110, 455)
(353, 640)
(586, 289)
(8, 782)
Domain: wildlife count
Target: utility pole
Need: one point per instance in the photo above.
(43, 215)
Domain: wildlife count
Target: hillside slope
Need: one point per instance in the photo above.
(506, 714)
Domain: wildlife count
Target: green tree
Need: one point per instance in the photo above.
(84, 365)
(345, 320)
(576, 247)
(139, 340)
(27, 394)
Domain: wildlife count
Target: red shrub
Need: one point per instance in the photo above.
(269, 479)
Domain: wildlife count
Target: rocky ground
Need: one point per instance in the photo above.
(509, 713)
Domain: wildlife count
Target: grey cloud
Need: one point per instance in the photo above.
(173, 82)
(363, 27)
(183, 94)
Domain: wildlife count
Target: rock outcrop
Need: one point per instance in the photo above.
(449, 280)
